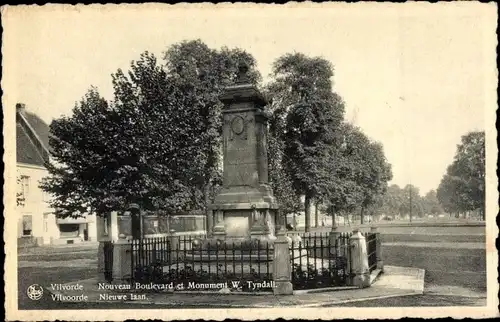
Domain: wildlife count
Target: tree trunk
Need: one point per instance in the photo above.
(208, 212)
(362, 215)
(307, 212)
(316, 215)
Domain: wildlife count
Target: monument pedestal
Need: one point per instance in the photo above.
(243, 220)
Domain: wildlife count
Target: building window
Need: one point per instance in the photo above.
(23, 184)
(27, 225)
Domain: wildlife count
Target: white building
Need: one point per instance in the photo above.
(37, 223)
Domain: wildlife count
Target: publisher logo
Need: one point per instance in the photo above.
(35, 292)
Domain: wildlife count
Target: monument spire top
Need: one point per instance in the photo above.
(243, 90)
(242, 76)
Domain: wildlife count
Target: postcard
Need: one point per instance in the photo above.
(250, 161)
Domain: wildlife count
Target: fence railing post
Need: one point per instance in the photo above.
(378, 243)
(122, 257)
(209, 222)
(282, 267)
(101, 264)
(344, 241)
(359, 260)
(173, 241)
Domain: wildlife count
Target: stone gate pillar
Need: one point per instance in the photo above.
(359, 260)
(107, 231)
(282, 268)
(122, 259)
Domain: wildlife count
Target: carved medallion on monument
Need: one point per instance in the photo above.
(238, 125)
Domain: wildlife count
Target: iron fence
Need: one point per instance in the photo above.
(310, 237)
(148, 251)
(318, 260)
(108, 261)
(191, 262)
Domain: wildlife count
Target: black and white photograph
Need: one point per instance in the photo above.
(304, 160)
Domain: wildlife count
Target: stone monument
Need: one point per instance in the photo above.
(245, 208)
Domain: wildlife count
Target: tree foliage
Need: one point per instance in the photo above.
(413, 203)
(281, 182)
(392, 201)
(322, 158)
(463, 186)
(406, 202)
(431, 203)
(358, 173)
(20, 198)
(306, 114)
(156, 144)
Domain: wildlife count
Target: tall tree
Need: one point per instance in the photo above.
(308, 112)
(357, 171)
(392, 201)
(156, 144)
(397, 201)
(83, 150)
(431, 203)
(412, 202)
(281, 182)
(343, 193)
(377, 174)
(202, 74)
(449, 195)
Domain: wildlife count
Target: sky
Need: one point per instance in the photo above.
(413, 77)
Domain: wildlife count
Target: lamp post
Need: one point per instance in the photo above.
(410, 204)
(137, 221)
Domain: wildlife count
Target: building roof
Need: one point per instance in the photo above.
(26, 151)
(32, 138)
(40, 127)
